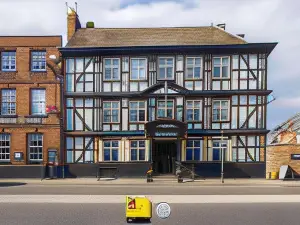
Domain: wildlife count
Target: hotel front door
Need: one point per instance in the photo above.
(164, 155)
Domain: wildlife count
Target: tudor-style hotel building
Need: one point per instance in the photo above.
(141, 97)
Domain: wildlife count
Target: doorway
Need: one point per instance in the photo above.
(164, 156)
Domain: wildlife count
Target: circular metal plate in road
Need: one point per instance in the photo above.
(163, 210)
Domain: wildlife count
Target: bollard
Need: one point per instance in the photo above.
(149, 176)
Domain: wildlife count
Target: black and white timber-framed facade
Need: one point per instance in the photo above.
(133, 102)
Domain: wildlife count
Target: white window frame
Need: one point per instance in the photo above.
(31, 147)
(10, 58)
(165, 66)
(110, 150)
(4, 137)
(165, 109)
(40, 102)
(193, 149)
(220, 147)
(11, 110)
(221, 66)
(138, 148)
(111, 109)
(193, 67)
(193, 108)
(138, 109)
(38, 59)
(112, 66)
(220, 115)
(138, 68)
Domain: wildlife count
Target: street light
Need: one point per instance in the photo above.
(222, 158)
(60, 77)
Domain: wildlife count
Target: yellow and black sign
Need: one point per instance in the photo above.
(138, 208)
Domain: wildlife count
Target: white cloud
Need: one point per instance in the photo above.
(287, 102)
(260, 20)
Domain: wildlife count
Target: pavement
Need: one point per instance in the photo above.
(114, 214)
(157, 181)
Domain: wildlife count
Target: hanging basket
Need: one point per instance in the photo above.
(51, 109)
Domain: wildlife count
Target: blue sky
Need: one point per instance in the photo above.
(260, 20)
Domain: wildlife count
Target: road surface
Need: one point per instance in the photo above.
(29, 189)
(113, 214)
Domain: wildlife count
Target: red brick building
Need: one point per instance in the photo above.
(29, 90)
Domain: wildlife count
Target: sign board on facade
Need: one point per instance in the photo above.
(286, 172)
(18, 156)
(166, 128)
(295, 156)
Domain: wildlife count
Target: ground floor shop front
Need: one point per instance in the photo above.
(133, 156)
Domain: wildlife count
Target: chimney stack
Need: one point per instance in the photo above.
(73, 22)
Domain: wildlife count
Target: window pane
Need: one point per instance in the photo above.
(134, 74)
(133, 154)
(217, 61)
(196, 143)
(115, 155)
(189, 154)
(141, 154)
(189, 143)
(106, 155)
(133, 115)
(197, 72)
(196, 153)
(217, 72)
(224, 115)
(225, 71)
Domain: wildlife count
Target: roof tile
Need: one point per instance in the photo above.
(129, 37)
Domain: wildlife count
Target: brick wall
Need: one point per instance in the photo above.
(279, 155)
(51, 140)
(23, 80)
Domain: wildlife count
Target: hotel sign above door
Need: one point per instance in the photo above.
(166, 128)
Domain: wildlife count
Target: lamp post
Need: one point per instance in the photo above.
(222, 158)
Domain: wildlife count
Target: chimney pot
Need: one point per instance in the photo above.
(90, 24)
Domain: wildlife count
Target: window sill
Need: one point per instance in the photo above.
(36, 116)
(8, 116)
(9, 71)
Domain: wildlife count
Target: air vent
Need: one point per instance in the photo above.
(241, 35)
(222, 26)
(90, 24)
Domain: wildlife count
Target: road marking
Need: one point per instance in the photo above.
(157, 186)
(101, 199)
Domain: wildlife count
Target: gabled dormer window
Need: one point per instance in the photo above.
(166, 68)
